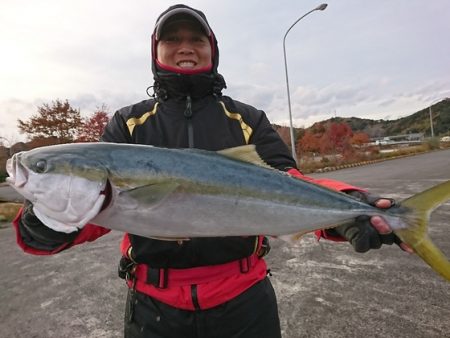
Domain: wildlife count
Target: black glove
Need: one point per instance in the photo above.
(360, 233)
(37, 235)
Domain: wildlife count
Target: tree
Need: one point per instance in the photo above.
(360, 138)
(310, 142)
(336, 138)
(92, 127)
(58, 120)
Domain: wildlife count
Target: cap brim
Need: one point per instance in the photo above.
(163, 20)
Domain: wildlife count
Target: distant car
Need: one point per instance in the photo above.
(445, 139)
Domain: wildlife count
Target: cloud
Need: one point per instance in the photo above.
(365, 98)
(11, 110)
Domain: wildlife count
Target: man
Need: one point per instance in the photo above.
(202, 287)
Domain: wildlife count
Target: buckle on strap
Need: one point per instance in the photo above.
(157, 277)
(245, 264)
(264, 247)
(126, 268)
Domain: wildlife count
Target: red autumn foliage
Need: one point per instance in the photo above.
(92, 127)
(336, 138)
(360, 138)
(310, 142)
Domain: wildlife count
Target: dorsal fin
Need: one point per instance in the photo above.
(245, 153)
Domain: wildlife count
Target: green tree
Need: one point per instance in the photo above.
(58, 120)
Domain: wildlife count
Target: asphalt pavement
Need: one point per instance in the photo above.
(324, 288)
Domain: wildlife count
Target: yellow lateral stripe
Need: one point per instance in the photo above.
(246, 129)
(131, 123)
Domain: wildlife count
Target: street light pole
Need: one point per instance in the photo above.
(431, 122)
(318, 8)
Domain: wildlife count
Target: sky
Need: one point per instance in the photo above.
(379, 59)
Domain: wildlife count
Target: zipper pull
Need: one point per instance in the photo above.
(188, 116)
(188, 110)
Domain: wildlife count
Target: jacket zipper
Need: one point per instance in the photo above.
(190, 130)
(188, 116)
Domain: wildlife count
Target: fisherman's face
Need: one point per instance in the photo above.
(183, 46)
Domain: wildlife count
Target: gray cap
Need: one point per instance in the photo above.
(183, 14)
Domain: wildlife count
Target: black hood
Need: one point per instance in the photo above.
(171, 84)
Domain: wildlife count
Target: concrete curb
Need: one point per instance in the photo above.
(359, 164)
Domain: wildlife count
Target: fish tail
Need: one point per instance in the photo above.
(416, 236)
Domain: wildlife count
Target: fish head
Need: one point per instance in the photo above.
(64, 185)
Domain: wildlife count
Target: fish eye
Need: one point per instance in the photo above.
(40, 166)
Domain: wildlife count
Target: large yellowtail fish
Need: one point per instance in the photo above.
(176, 193)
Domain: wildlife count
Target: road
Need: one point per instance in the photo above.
(324, 289)
(7, 194)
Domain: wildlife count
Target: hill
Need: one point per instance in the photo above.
(418, 122)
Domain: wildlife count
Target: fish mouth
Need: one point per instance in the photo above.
(17, 173)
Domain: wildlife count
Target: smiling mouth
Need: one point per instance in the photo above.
(186, 64)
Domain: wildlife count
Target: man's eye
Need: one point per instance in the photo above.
(171, 39)
(199, 39)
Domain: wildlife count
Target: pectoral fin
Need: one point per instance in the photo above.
(150, 195)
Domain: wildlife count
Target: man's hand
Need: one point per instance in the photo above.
(367, 232)
(35, 234)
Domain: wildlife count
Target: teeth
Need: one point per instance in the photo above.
(186, 64)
